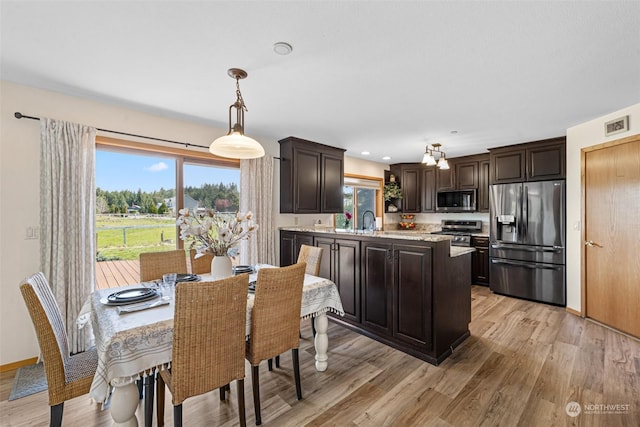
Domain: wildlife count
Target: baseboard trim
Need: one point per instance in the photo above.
(574, 312)
(18, 364)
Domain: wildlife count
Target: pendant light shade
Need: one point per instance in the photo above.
(429, 159)
(235, 144)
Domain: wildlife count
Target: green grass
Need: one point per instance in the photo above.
(110, 243)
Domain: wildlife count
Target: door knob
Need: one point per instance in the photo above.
(591, 243)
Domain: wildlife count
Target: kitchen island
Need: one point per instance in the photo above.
(407, 289)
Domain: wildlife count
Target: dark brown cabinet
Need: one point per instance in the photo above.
(532, 161)
(480, 260)
(311, 177)
(428, 194)
(420, 184)
(341, 264)
(290, 242)
(483, 185)
(445, 178)
(466, 175)
(410, 183)
(412, 295)
(377, 286)
(397, 291)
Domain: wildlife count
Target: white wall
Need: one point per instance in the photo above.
(585, 135)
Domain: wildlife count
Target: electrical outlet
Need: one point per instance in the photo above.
(295, 220)
(32, 233)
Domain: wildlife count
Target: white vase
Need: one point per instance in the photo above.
(221, 267)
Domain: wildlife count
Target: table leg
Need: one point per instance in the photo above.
(124, 402)
(321, 341)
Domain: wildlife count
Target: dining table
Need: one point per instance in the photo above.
(133, 345)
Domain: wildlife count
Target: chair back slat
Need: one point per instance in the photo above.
(208, 335)
(50, 328)
(312, 256)
(275, 318)
(154, 264)
(200, 265)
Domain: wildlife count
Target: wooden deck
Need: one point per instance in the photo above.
(113, 274)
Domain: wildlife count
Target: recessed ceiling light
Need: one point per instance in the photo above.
(386, 158)
(282, 48)
(365, 153)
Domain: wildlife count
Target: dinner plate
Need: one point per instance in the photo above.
(130, 296)
(240, 269)
(187, 278)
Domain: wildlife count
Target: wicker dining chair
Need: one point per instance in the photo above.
(312, 256)
(275, 322)
(68, 376)
(209, 331)
(154, 264)
(200, 265)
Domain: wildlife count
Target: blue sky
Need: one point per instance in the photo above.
(123, 171)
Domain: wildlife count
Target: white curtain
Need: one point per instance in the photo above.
(67, 218)
(256, 195)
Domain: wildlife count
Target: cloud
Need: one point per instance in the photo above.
(157, 167)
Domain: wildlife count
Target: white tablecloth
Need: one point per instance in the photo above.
(130, 345)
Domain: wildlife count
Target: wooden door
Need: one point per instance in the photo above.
(612, 224)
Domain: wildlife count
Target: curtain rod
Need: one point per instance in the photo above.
(19, 115)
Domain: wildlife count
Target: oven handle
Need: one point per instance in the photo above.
(526, 264)
(554, 249)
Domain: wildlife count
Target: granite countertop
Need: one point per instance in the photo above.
(393, 234)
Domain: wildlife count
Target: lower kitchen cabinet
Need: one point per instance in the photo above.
(377, 286)
(290, 242)
(480, 261)
(411, 295)
(341, 264)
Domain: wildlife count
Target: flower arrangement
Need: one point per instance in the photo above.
(214, 232)
(347, 219)
(392, 191)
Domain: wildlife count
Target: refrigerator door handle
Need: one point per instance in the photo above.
(525, 214)
(555, 249)
(526, 264)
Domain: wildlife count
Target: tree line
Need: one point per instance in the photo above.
(219, 196)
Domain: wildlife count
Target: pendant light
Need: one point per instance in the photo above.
(235, 144)
(429, 159)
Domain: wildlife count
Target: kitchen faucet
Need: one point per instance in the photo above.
(372, 223)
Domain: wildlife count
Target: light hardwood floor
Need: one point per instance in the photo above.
(522, 365)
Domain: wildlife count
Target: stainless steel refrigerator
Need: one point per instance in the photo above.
(527, 247)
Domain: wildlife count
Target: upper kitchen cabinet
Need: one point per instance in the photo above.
(410, 182)
(532, 161)
(445, 178)
(428, 195)
(311, 177)
(466, 175)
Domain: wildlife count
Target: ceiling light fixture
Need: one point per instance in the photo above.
(429, 159)
(235, 144)
(282, 48)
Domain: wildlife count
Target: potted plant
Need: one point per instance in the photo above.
(392, 191)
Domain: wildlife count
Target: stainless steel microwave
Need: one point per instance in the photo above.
(456, 201)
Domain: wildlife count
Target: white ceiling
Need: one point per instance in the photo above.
(387, 76)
